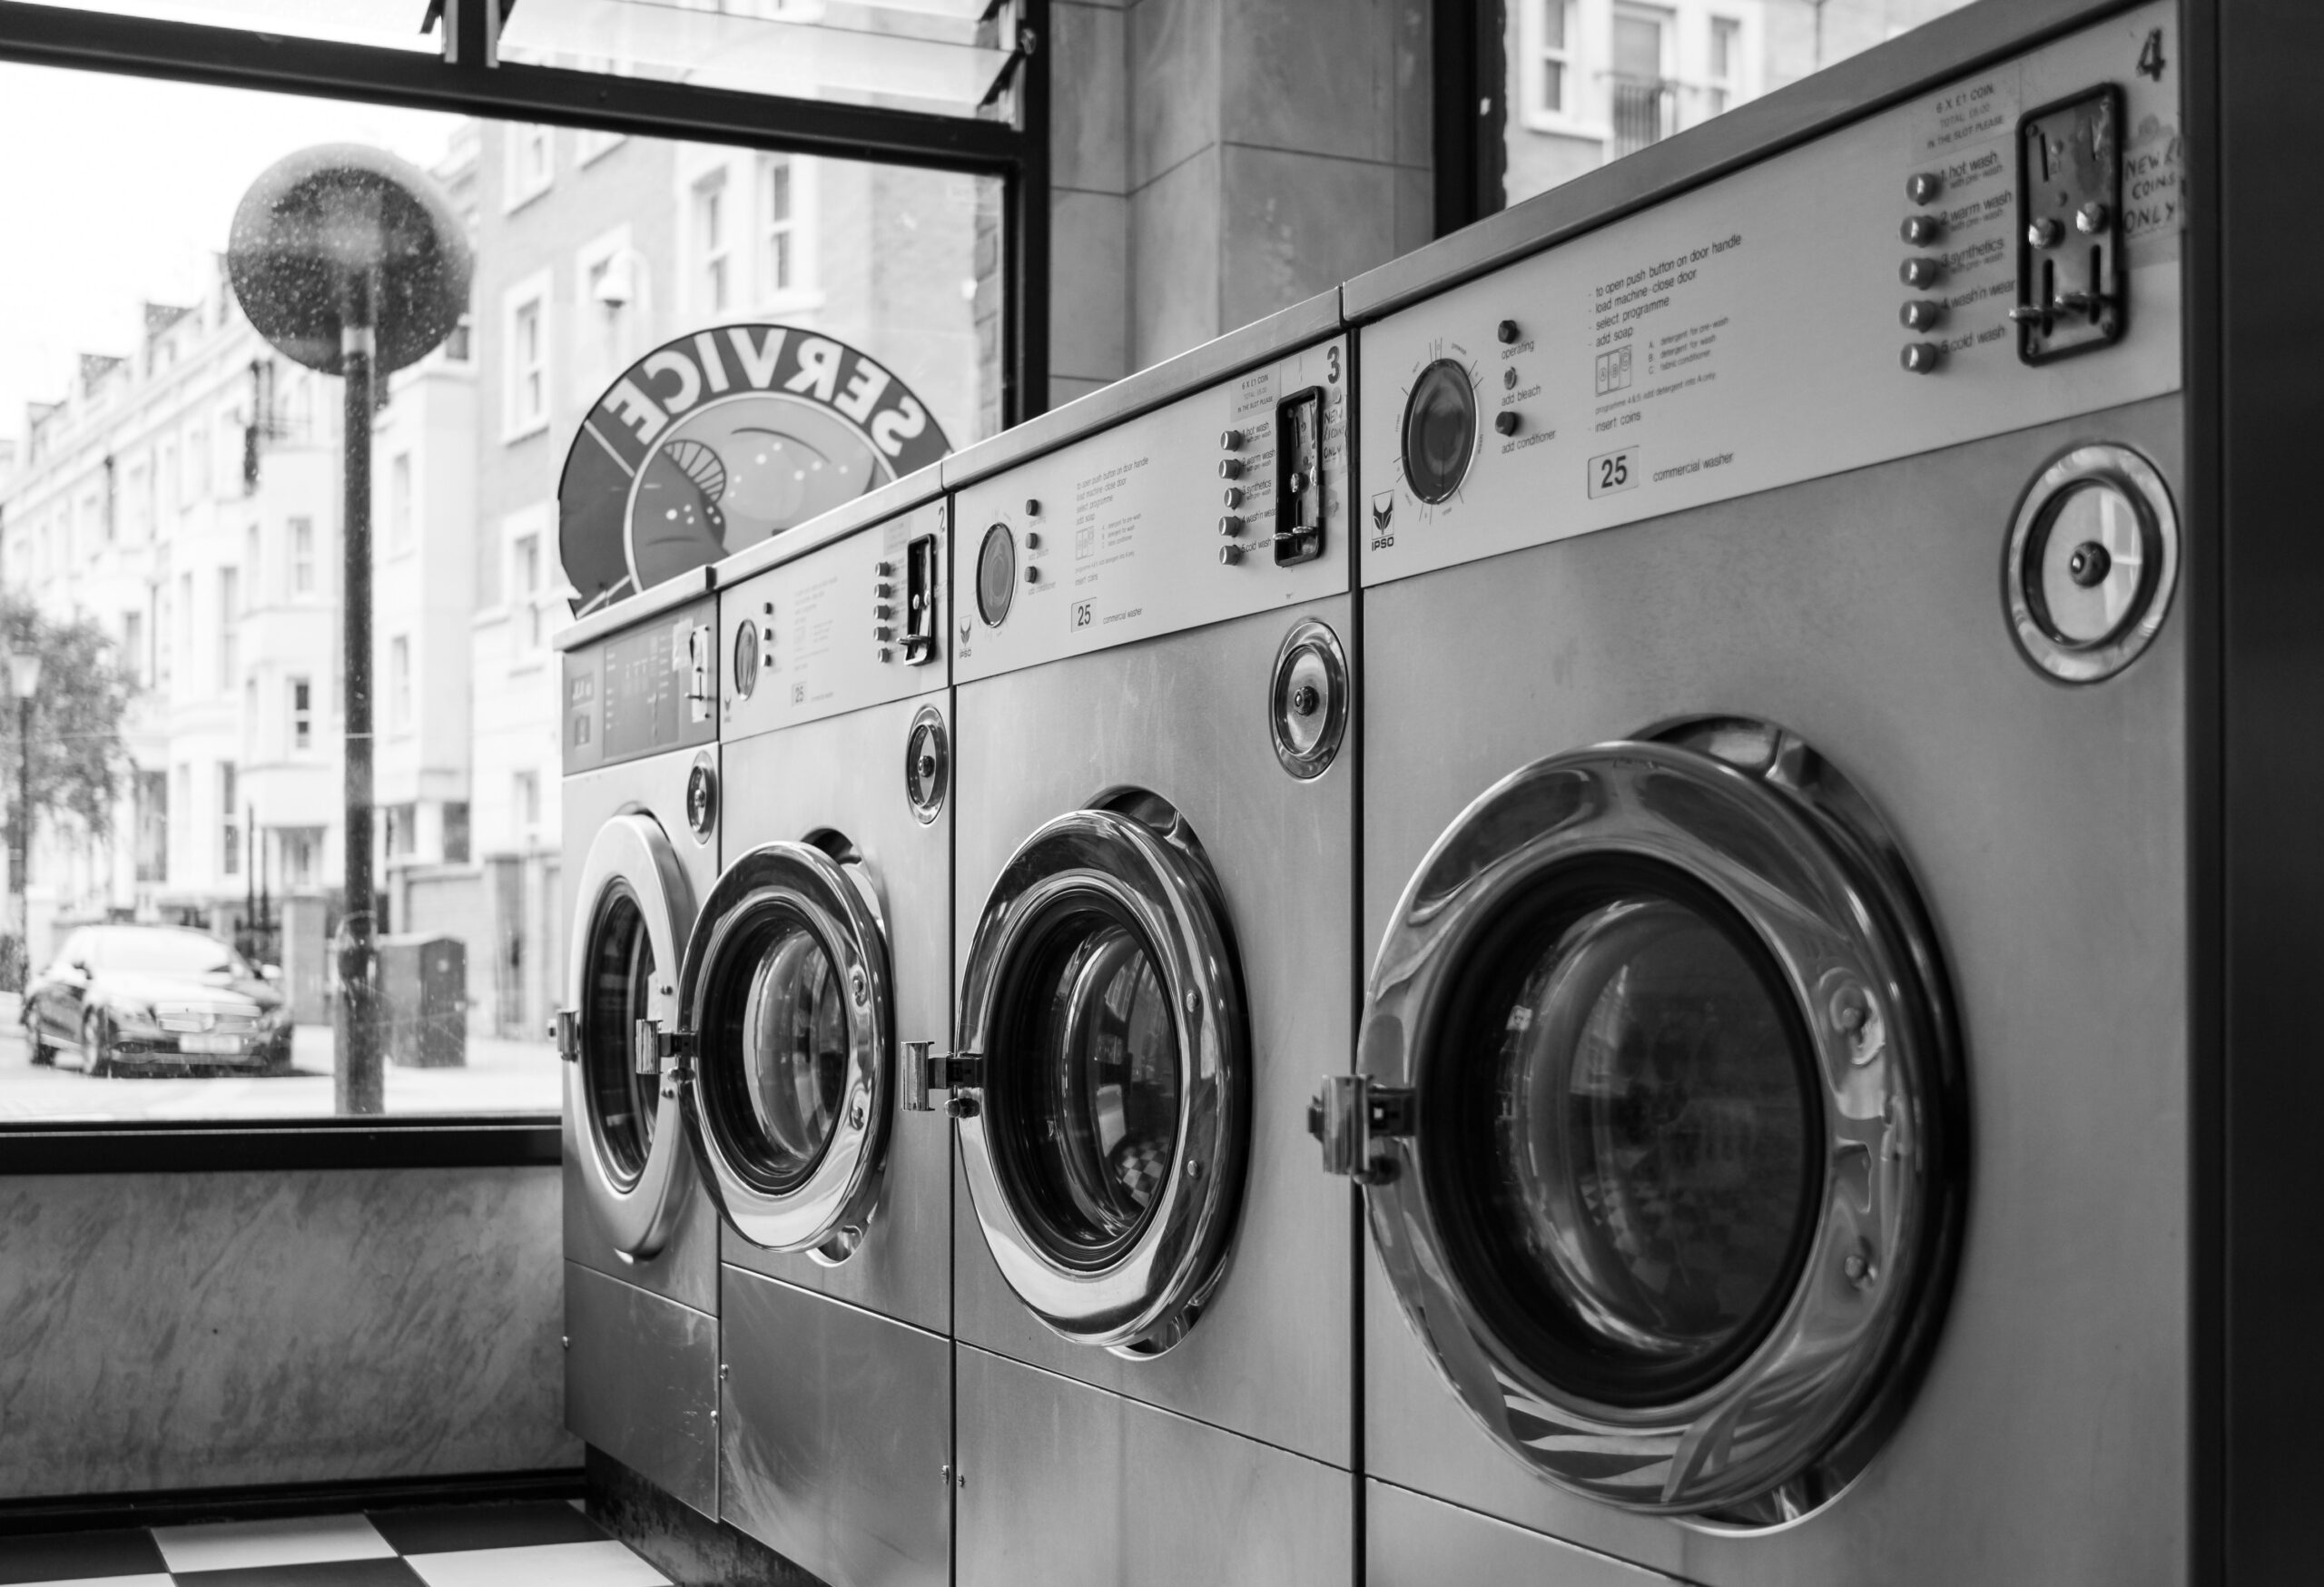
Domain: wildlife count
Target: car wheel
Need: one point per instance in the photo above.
(39, 1051)
(278, 1059)
(96, 1046)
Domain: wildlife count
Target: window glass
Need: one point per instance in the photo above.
(224, 571)
(1589, 81)
(384, 23)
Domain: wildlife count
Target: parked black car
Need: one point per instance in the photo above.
(118, 996)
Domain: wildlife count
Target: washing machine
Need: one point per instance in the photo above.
(639, 726)
(824, 943)
(1773, 1073)
(1153, 819)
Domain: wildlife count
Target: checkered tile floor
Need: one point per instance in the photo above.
(545, 1544)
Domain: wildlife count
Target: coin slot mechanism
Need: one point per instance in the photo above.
(1299, 477)
(919, 601)
(2072, 290)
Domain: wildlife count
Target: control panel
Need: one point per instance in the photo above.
(647, 689)
(1908, 282)
(1232, 500)
(855, 623)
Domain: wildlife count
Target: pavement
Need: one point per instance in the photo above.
(500, 1077)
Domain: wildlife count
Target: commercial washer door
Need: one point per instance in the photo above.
(1102, 1022)
(635, 908)
(786, 993)
(1661, 1113)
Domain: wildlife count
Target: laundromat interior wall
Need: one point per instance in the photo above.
(1213, 161)
(175, 1331)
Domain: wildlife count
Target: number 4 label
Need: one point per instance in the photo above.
(1612, 471)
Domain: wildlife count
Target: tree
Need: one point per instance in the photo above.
(80, 759)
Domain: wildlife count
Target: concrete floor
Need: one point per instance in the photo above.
(501, 1077)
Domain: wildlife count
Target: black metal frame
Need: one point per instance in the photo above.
(1467, 110)
(465, 80)
(230, 1145)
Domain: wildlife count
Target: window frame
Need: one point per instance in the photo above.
(464, 77)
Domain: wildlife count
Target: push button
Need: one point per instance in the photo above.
(1922, 272)
(1922, 314)
(1922, 231)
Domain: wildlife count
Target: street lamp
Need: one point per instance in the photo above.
(24, 681)
(351, 262)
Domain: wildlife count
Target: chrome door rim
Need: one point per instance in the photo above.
(828, 1212)
(1143, 1300)
(1787, 1429)
(631, 852)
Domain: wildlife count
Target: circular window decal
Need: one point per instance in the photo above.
(746, 659)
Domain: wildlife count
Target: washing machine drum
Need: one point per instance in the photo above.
(1103, 1149)
(786, 993)
(1670, 1123)
(635, 908)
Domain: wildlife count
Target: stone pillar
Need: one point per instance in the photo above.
(1213, 161)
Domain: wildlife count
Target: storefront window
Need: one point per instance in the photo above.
(218, 807)
(1585, 82)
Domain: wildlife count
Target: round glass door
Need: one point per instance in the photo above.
(1105, 1147)
(634, 909)
(1676, 1196)
(786, 989)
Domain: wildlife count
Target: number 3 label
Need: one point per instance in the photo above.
(1612, 471)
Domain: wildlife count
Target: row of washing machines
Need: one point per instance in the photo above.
(1528, 923)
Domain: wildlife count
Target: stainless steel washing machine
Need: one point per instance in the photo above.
(824, 942)
(640, 732)
(1154, 812)
(1773, 1066)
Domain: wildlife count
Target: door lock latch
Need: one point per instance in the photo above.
(565, 1031)
(960, 1075)
(667, 1053)
(1354, 1118)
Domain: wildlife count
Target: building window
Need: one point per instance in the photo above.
(230, 627)
(527, 802)
(132, 645)
(456, 832)
(531, 163)
(779, 263)
(399, 683)
(525, 588)
(303, 714)
(403, 830)
(250, 559)
(457, 345)
(1725, 63)
(302, 557)
(1553, 62)
(526, 399)
(153, 794)
(399, 502)
(300, 849)
(1642, 90)
(230, 825)
(197, 457)
(710, 240)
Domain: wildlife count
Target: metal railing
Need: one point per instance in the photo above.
(1645, 111)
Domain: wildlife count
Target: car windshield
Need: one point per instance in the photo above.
(149, 951)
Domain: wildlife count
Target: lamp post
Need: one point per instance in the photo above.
(351, 262)
(24, 681)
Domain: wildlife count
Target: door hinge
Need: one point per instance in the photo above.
(1354, 1118)
(565, 1031)
(927, 1070)
(660, 1051)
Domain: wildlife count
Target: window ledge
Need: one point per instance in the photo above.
(140, 1146)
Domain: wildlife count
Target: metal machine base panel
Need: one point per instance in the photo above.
(1410, 1540)
(641, 1383)
(835, 1439)
(1068, 1484)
